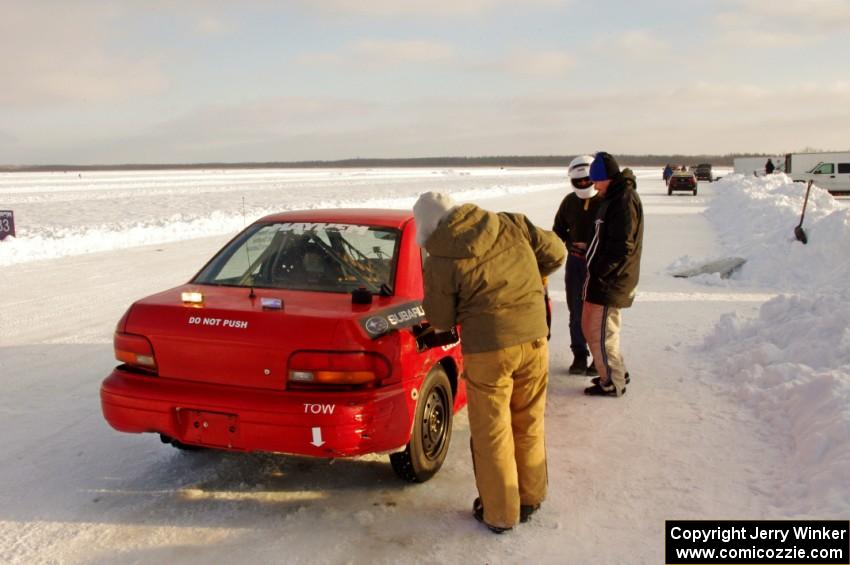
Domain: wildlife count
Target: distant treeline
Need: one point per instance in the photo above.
(495, 161)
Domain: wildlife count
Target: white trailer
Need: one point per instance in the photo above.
(754, 166)
(830, 171)
(804, 162)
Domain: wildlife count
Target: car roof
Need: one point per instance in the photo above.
(362, 216)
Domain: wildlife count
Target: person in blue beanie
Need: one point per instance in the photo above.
(613, 271)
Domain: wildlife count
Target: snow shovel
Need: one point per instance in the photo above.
(799, 232)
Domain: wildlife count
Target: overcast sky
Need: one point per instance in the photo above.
(157, 81)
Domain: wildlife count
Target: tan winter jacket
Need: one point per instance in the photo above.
(484, 271)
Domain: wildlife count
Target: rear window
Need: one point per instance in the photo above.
(307, 256)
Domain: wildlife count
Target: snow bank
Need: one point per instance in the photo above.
(755, 218)
(790, 365)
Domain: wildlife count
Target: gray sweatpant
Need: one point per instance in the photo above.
(601, 327)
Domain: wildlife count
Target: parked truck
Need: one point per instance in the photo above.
(830, 171)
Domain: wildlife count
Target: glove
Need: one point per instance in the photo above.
(578, 249)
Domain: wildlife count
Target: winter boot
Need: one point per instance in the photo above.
(603, 389)
(579, 366)
(595, 380)
(526, 510)
(478, 512)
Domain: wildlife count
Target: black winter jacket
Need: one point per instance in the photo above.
(613, 258)
(574, 220)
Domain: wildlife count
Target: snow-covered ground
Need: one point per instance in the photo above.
(739, 405)
(61, 214)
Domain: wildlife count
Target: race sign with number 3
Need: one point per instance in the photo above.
(7, 224)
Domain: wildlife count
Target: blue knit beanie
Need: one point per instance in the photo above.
(604, 167)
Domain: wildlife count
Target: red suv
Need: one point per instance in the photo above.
(306, 335)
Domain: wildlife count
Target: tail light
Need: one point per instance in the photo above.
(349, 369)
(136, 351)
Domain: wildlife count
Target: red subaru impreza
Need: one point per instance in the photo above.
(305, 335)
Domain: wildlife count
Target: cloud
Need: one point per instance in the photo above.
(834, 14)
(554, 64)
(7, 138)
(211, 25)
(60, 53)
(760, 39)
(694, 118)
(259, 120)
(791, 22)
(380, 53)
(433, 8)
(639, 44)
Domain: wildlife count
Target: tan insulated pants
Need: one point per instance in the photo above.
(601, 327)
(507, 398)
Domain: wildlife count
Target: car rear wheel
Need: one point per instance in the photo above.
(669, 191)
(695, 191)
(432, 430)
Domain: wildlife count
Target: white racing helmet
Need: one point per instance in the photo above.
(579, 173)
(580, 167)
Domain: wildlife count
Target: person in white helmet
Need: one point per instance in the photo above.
(574, 225)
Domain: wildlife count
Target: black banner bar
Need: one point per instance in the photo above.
(758, 542)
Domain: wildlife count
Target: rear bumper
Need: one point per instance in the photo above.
(317, 424)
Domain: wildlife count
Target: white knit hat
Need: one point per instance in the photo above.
(428, 211)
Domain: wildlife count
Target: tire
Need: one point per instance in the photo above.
(669, 192)
(695, 191)
(432, 430)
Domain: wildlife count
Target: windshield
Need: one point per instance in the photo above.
(307, 256)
